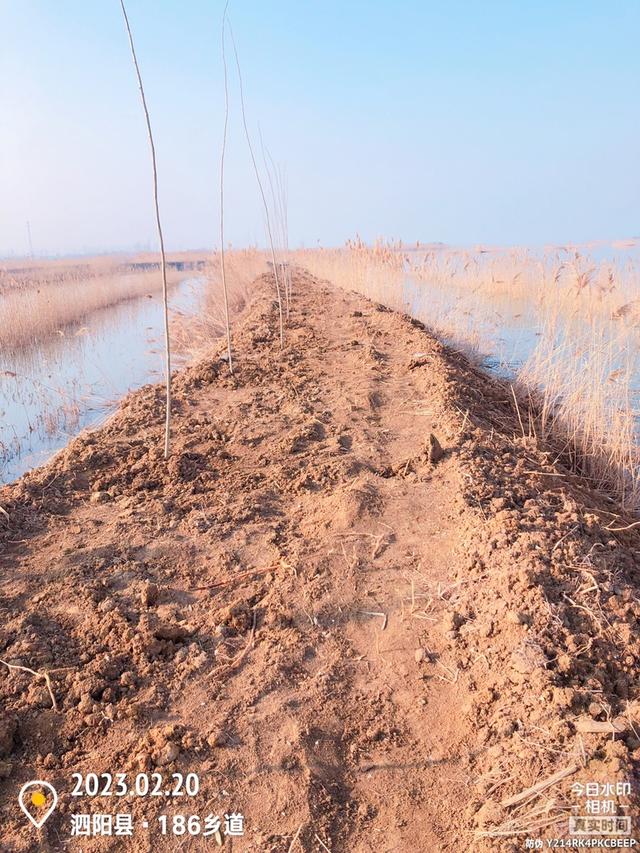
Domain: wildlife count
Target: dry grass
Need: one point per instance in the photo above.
(39, 301)
(34, 314)
(583, 369)
(21, 274)
(195, 335)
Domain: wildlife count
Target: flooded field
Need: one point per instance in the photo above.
(73, 379)
(502, 333)
(501, 322)
(561, 323)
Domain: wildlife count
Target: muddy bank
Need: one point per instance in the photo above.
(356, 602)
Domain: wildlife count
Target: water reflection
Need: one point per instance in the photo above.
(74, 379)
(502, 333)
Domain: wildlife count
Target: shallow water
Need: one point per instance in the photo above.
(501, 333)
(52, 390)
(596, 362)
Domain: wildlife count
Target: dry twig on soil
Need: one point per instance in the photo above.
(43, 675)
(239, 577)
(295, 837)
(376, 613)
(618, 726)
(620, 529)
(539, 787)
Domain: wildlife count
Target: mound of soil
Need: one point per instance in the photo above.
(361, 601)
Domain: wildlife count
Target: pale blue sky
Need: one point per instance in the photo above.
(497, 122)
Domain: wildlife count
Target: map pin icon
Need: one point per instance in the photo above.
(40, 798)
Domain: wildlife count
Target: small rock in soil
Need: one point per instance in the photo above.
(8, 728)
(174, 632)
(434, 450)
(149, 594)
(169, 752)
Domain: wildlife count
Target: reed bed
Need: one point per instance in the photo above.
(581, 374)
(31, 274)
(193, 335)
(42, 302)
(25, 274)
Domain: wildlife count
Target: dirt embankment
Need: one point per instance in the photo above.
(357, 602)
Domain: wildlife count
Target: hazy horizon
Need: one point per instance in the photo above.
(476, 124)
(622, 245)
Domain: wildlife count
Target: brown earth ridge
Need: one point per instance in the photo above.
(361, 601)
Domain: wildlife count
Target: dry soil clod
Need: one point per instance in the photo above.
(434, 450)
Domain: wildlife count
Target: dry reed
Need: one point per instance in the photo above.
(33, 313)
(193, 335)
(582, 370)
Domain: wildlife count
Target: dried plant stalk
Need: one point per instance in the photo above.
(36, 674)
(223, 271)
(261, 189)
(165, 293)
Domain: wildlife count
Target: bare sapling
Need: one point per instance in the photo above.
(223, 271)
(279, 202)
(284, 207)
(163, 260)
(261, 189)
